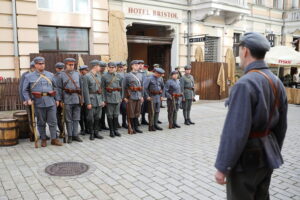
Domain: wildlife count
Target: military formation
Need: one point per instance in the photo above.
(102, 91)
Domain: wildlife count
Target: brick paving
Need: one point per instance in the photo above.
(172, 164)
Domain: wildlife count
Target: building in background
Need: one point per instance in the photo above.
(169, 32)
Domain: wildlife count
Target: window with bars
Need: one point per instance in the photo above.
(236, 42)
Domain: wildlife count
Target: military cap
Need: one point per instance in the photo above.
(141, 62)
(174, 72)
(187, 67)
(94, 63)
(156, 65)
(83, 67)
(123, 63)
(255, 41)
(59, 65)
(71, 60)
(102, 64)
(31, 64)
(38, 59)
(119, 64)
(134, 62)
(112, 64)
(159, 70)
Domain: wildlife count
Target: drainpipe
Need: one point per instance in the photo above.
(283, 39)
(15, 36)
(189, 26)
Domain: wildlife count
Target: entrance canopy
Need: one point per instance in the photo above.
(283, 56)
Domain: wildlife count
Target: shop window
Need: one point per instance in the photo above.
(81, 6)
(60, 39)
(236, 42)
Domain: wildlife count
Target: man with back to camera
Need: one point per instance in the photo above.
(255, 126)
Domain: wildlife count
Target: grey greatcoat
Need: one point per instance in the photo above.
(153, 87)
(187, 86)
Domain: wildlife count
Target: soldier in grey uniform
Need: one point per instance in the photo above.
(153, 89)
(122, 69)
(83, 70)
(187, 86)
(93, 98)
(255, 126)
(71, 96)
(112, 87)
(58, 68)
(132, 88)
(146, 74)
(40, 87)
(172, 92)
(103, 71)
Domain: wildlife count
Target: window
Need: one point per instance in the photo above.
(81, 6)
(271, 38)
(259, 2)
(62, 39)
(295, 4)
(236, 42)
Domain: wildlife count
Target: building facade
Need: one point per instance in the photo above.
(168, 32)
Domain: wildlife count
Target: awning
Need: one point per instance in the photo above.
(283, 56)
(149, 40)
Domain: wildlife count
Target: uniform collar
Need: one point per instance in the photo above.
(259, 64)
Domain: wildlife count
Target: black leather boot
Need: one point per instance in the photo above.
(186, 122)
(115, 121)
(97, 135)
(77, 139)
(136, 122)
(124, 119)
(111, 127)
(191, 121)
(144, 121)
(92, 137)
(156, 121)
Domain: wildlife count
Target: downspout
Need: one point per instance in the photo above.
(15, 37)
(189, 26)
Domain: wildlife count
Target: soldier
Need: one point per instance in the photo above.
(187, 86)
(122, 69)
(153, 88)
(58, 68)
(179, 72)
(83, 70)
(133, 95)
(112, 86)
(174, 96)
(93, 98)
(103, 67)
(255, 126)
(40, 87)
(71, 96)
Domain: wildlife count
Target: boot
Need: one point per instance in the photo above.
(82, 132)
(111, 127)
(97, 135)
(69, 139)
(190, 121)
(56, 142)
(44, 143)
(189, 118)
(171, 126)
(136, 122)
(151, 128)
(159, 122)
(124, 124)
(144, 121)
(186, 122)
(156, 121)
(132, 125)
(77, 139)
(115, 121)
(118, 124)
(175, 120)
(92, 136)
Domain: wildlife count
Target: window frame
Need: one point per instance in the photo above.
(73, 8)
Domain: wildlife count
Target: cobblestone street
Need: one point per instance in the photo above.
(169, 164)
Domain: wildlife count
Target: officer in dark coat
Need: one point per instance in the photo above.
(255, 125)
(83, 70)
(153, 89)
(40, 87)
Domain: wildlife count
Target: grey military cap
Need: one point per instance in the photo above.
(123, 63)
(255, 41)
(31, 64)
(82, 67)
(112, 64)
(59, 65)
(141, 62)
(174, 72)
(187, 67)
(102, 64)
(67, 60)
(134, 62)
(38, 59)
(94, 63)
(156, 65)
(159, 70)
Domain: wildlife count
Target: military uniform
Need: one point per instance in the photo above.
(153, 87)
(146, 74)
(254, 128)
(133, 91)
(172, 92)
(71, 95)
(93, 94)
(41, 88)
(123, 103)
(112, 87)
(187, 86)
(83, 120)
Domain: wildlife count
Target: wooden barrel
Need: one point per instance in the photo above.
(22, 124)
(8, 132)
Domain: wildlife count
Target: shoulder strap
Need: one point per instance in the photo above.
(38, 80)
(96, 80)
(70, 78)
(111, 81)
(136, 78)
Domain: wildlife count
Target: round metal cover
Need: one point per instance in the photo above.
(67, 169)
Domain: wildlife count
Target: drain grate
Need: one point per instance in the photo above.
(67, 169)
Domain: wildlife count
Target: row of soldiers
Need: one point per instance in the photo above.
(85, 96)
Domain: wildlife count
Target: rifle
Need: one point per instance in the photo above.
(34, 126)
(64, 135)
(130, 130)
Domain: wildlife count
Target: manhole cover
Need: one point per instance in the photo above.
(67, 169)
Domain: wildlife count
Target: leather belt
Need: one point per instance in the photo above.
(176, 95)
(156, 92)
(135, 89)
(70, 91)
(189, 88)
(113, 89)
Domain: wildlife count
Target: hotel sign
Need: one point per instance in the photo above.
(152, 13)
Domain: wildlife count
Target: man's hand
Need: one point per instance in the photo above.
(89, 106)
(103, 104)
(149, 98)
(25, 103)
(142, 99)
(61, 104)
(183, 99)
(29, 102)
(126, 100)
(162, 98)
(57, 103)
(220, 178)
